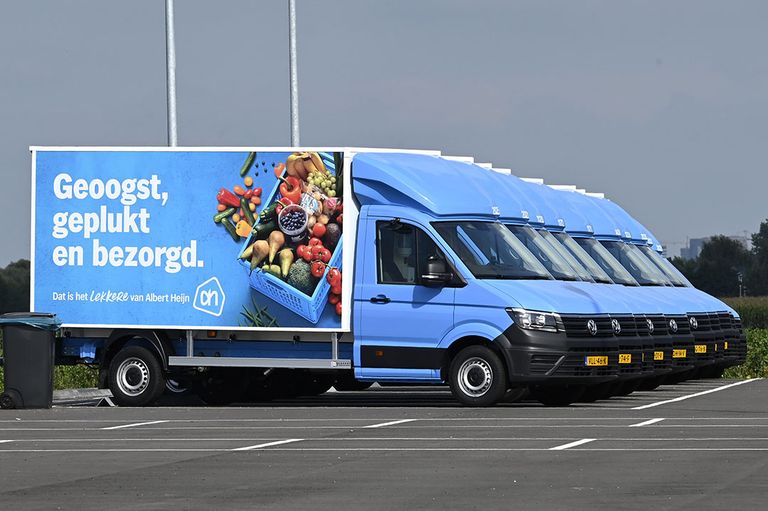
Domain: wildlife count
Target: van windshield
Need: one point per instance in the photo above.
(635, 262)
(669, 270)
(574, 263)
(490, 251)
(543, 251)
(581, 255)
(607, 262)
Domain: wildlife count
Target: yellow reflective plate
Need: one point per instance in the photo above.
(658, 355)
(625, 358)
(597, 360)
(725, 345)
(700, 348)
(679, 353)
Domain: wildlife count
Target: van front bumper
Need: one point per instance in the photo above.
(534, 357)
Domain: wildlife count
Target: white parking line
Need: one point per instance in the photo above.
(572, 444)
(392, 423)
(646, 423)
(681, 398)
(268, 444)
(5, 441)
(123, 426)
(397, 449)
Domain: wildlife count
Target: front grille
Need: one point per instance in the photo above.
(703, 322)
(576, 325)
(726, 320)
(683, 328)
(641, 325)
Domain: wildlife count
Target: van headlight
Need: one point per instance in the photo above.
(532, 320)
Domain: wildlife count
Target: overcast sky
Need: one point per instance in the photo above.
(661, 105)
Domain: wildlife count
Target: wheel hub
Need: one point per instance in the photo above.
(475, 377)
(133, 377)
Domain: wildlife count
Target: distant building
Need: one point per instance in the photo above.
(695, 245)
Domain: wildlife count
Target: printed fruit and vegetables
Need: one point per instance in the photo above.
(293, 235)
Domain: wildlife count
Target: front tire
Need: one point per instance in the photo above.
(477, 377)
(135, 377)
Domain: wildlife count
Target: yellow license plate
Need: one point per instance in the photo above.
(596, 361)
(658, 355)
(725, 345)
(679, 353)
(700, 348)
(625, 358)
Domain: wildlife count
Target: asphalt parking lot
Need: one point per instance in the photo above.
(697, 445)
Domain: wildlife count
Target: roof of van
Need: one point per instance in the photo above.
(442, 187)
(583, 208)
(632, 228)
(546, 199)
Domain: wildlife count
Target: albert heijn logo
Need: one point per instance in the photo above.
(209, 297)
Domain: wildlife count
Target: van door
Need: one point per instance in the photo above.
(400, 321)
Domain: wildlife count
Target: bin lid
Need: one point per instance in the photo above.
(41, 320)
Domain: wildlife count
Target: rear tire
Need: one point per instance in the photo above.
(477, 377)
(135, 377)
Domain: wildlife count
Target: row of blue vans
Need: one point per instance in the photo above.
(453, 273)
(555, 291)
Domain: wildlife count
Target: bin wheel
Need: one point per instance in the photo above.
(7, 402)
(477, 377)
(135, 377)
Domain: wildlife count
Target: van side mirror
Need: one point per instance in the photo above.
(437, 274)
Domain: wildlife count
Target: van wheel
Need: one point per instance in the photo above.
(135, 377)
(477, 377)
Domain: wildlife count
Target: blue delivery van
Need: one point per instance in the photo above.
(300, 268)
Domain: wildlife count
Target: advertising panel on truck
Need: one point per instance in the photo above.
(190, 238)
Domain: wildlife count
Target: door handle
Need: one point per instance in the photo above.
(380, 299)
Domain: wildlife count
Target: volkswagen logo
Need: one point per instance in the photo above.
(592, 327)
(650, 325)
(616, 326)
(673, 325)
(694, 323)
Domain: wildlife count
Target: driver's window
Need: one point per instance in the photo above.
(402, 252)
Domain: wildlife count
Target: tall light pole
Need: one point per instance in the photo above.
(170, 62)
(294, 79)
